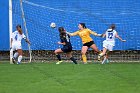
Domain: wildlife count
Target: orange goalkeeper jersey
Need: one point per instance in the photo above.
(84, 35)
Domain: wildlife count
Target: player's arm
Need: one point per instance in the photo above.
(27, 41)
(73, 34)
(103, 35)
(62, 43)
(25, 38)
(117, 36)
(95, 34)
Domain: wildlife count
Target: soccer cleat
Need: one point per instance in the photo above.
(107, 61)
(18, 63)
(99, 57)
(13, 60)
(85, 63)
(59, 62)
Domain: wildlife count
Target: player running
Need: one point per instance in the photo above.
(109, 43)
(16, 46)
(67, 47)
(87, 41)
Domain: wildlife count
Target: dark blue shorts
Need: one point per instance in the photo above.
(66, 49)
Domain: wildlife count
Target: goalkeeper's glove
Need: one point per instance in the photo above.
(100, 35)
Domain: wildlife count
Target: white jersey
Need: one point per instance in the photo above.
(16, 43)
(110, 35)
(110, 39)
(17, 37)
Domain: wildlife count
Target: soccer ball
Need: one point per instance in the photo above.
(52, 25)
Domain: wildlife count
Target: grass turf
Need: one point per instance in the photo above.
(70, 78)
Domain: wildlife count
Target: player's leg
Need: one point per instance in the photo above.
(105, 57)
(94, 47)
(109, 49)
(11, 55)
(105, 47)
(69, 55)
(104, 52)
(15, 57)
(83, 52)
(13, 48)
(57, 53)
(20, 55)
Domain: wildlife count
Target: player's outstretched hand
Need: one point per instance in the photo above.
(123, 40)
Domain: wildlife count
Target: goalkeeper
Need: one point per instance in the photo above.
(88, 42)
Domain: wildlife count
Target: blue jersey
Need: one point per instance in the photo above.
(66, 39)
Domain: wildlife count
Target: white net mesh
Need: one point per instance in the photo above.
(97, 15)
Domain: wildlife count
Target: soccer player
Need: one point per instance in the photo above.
(87, 41)
(16, 46)
(109, 43)
(67, 47)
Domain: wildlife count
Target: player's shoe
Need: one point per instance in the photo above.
(85, 63)
(13, 60)
(99, 57)
(59, 62)
(107, 61)
(18, 63)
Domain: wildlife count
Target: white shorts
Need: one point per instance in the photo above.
(16, 46)
(108, 45)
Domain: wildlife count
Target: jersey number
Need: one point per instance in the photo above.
(16, 37)
(67, 38)
(110, 35)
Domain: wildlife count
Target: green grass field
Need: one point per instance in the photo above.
(70, 78)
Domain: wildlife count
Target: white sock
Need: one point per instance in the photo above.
(16, 55)
(104, 60)
(19, 58)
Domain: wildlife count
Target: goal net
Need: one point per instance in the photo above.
(68, 13)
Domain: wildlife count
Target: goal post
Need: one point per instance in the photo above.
(26, 30)
(10, 27)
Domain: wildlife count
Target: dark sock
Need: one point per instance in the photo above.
(74, 61)
(59, 57)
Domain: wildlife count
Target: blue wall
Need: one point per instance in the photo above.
(4, 25)
(97, 14)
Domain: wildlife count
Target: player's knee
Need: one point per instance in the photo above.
(69, 56)
(55, 52)
(96, 52)
(83, 53)
(19, 53)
